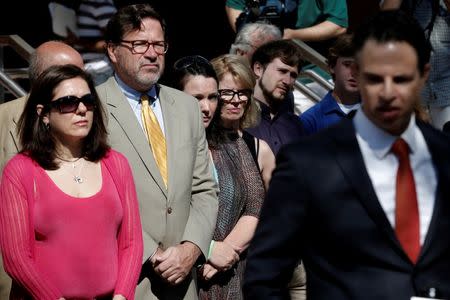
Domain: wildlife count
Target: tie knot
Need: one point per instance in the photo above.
(145, 98)
(400, 148)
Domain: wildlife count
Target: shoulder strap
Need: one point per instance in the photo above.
(257, 148)
(250, 141)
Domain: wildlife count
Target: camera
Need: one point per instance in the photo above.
(281, 13)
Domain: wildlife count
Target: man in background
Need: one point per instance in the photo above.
(343, 100)
(276, 65)
(252, 36)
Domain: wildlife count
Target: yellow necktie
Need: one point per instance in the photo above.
(155, 137)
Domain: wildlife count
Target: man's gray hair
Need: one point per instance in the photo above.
(252, 32)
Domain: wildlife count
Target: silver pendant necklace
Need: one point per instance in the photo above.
(76, 176)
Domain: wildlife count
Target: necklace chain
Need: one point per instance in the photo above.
(76, 177)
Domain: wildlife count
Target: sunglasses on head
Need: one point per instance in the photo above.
(69, 104)
(187, 61)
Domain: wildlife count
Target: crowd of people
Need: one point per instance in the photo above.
(212, 186)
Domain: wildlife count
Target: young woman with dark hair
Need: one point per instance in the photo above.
(69, 217)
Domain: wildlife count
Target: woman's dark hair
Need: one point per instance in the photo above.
(194, 65)
(37, 139)
(216, 134)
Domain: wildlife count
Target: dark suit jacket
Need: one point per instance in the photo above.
(322, 208)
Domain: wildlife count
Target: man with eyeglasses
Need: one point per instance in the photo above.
(160, 131)
(276, 65)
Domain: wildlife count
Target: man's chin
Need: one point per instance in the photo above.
(278, 97)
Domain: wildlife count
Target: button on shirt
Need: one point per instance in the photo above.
(382, 166)
(284, 128)
(134, 97)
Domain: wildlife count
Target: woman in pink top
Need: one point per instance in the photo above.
(69, 217)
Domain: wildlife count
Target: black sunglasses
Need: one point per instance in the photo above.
(187, 61)
(69, 104)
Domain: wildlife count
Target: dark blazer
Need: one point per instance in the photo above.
(322, 208)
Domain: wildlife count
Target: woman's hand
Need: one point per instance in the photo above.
(223, 256)
(208, 271)
(119, 297)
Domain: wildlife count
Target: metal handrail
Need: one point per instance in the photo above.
(305, 90)
(17, 73)
(7, 76)
(314, 57)
(311, 55)
(18, 44)
(11, 85)
(319, 79)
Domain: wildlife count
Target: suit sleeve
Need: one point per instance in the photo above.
(130, 235)
(17, 234)
(275, 249)
(204, 204)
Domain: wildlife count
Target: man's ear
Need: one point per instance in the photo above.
(39, 111)
(110, 48)
(258, 69)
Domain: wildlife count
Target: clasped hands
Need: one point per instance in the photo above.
(175, 263)
(223, 257)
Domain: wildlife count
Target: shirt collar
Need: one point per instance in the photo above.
(132, 94)
(265, 109)
(330, 105)
(379, 140)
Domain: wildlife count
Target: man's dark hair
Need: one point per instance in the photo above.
(129, 18)
(342, 47)
(286, 50)
(37, 139)
(394, 26)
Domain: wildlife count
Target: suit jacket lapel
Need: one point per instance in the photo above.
(171, 127)
(349, 157)
(15, 119)
(120, 110)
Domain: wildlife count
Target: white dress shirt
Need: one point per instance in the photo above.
(134, 99)
(382, 165)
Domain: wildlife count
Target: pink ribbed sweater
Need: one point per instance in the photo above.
(55, 245)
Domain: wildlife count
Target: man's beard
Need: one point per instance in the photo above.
(274, 102)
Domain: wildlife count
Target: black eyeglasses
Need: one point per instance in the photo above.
(227, 95)
(69, 104)
(141, 46)
(187, 61)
